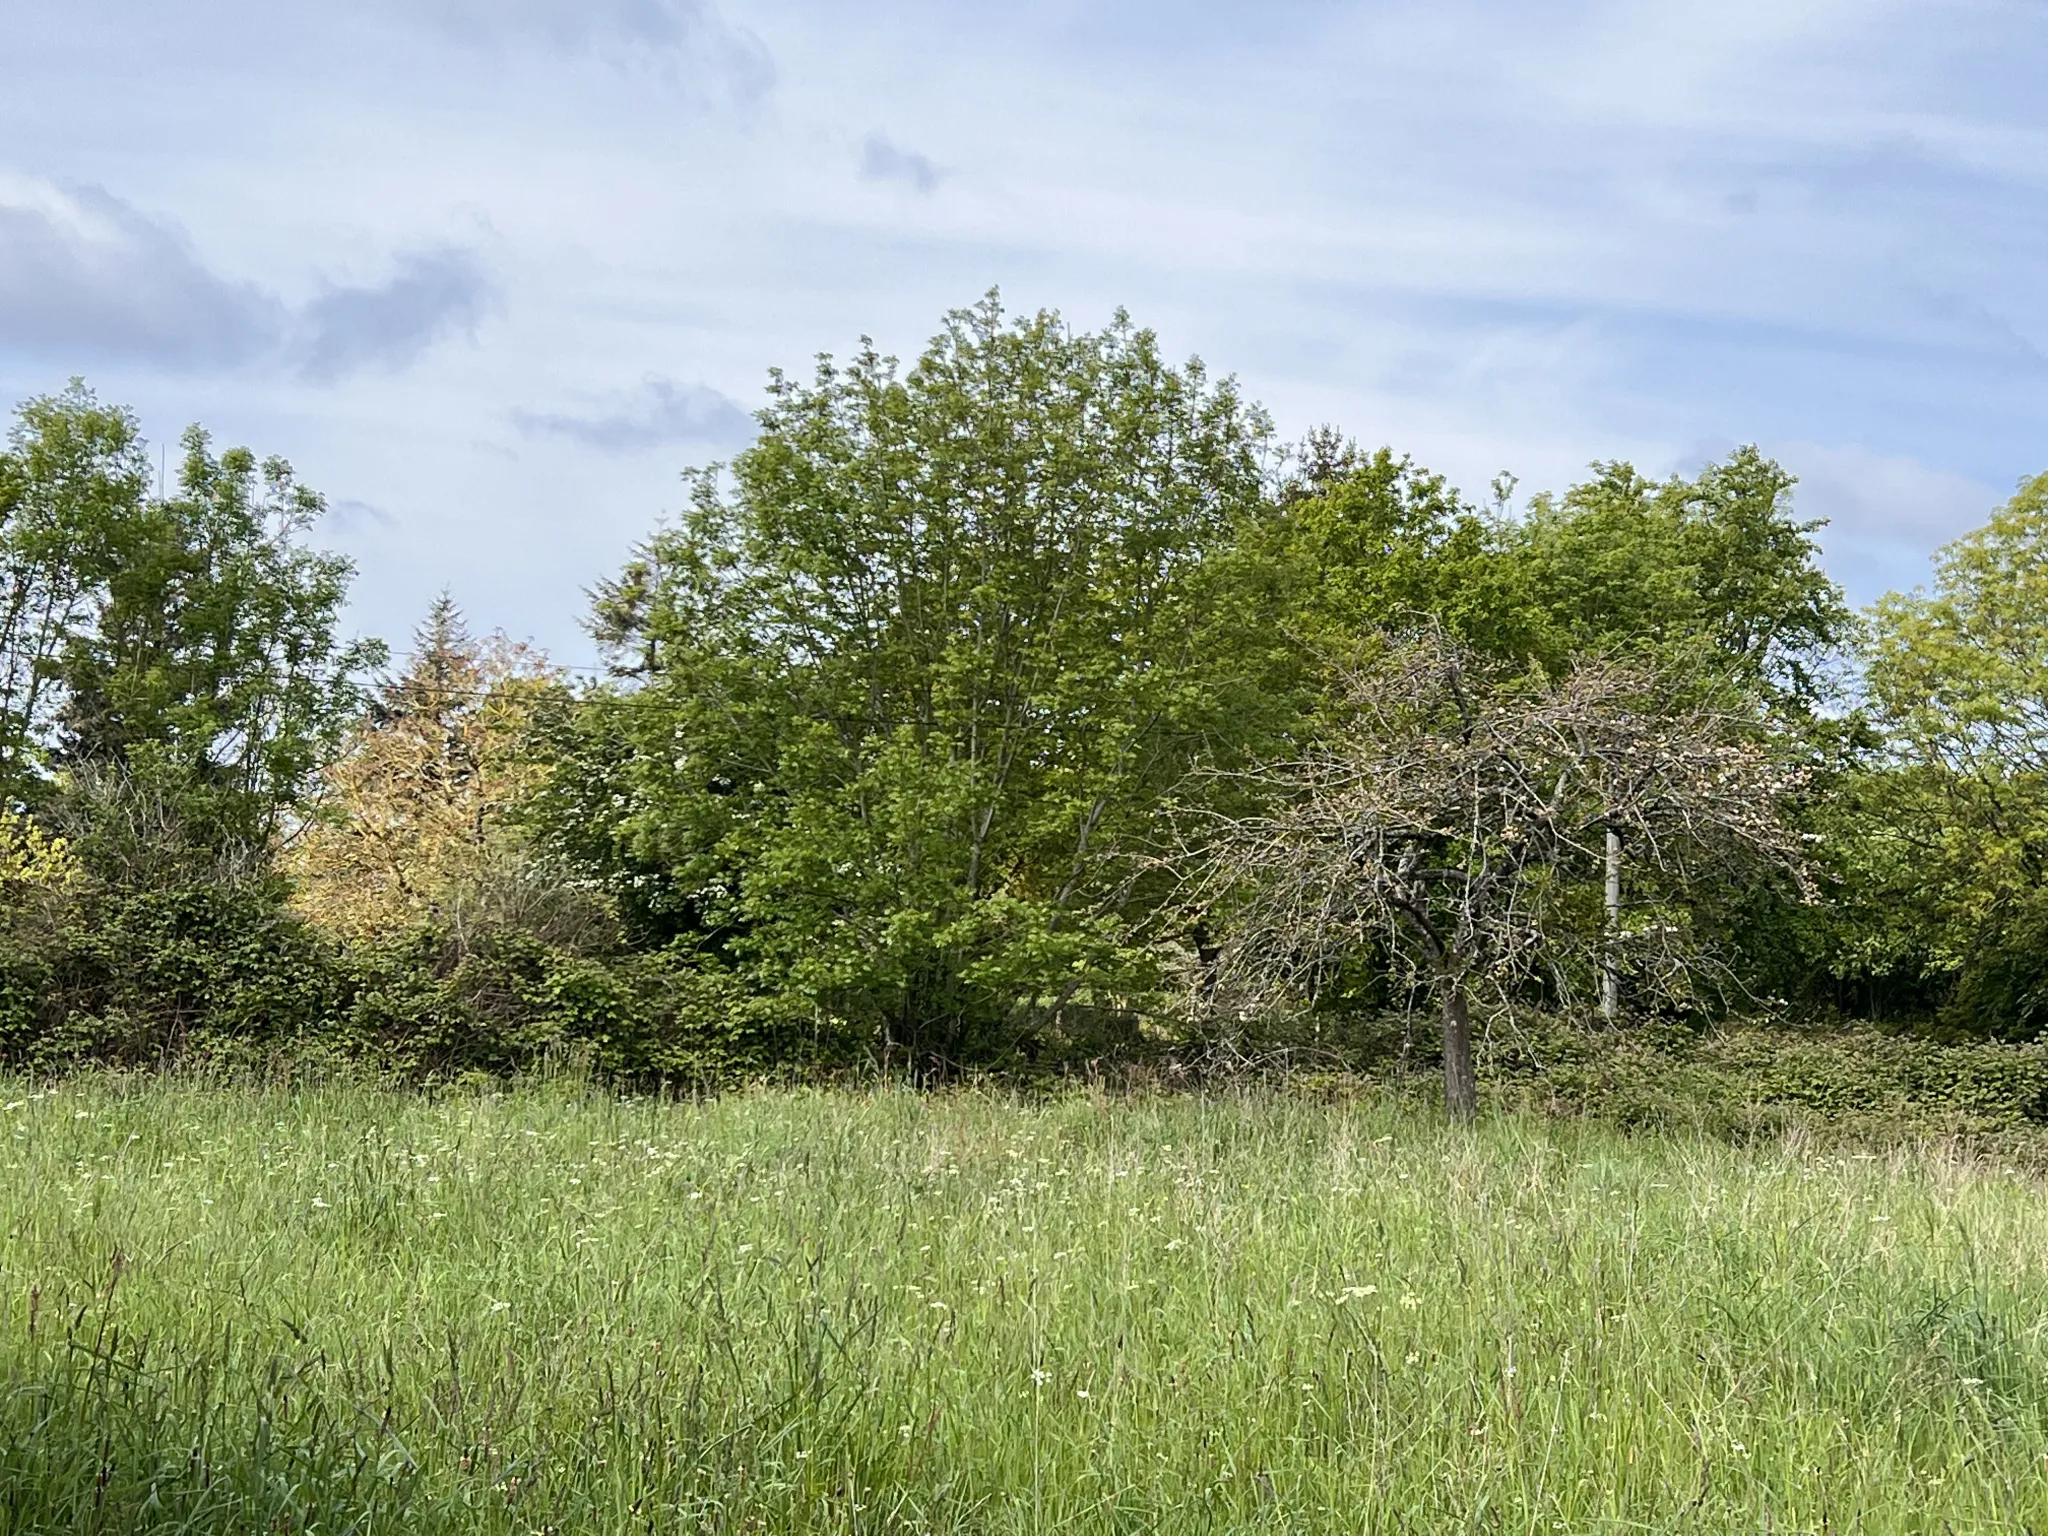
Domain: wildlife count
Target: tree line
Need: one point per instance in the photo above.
(1029, 704)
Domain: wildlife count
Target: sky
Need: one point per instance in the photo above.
(490, 273)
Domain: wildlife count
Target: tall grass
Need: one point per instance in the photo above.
(342, 1310)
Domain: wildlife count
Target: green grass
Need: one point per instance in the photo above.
(344, 1310)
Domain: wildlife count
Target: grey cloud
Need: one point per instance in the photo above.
(86, 277)
(433, 294)
(83, 273)
(660, 411)
(882, 160)
(682, 31)
(1707, 451)
(352, 515)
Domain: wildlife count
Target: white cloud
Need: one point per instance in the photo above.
(1885, 513)
(689, 33)
(1868, 495)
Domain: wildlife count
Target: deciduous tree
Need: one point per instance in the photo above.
(913, 683)
(1953, 841)
(73, 482)
(1458, 823)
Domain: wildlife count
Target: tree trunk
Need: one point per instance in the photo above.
(1610, 960)
(1461, 1088)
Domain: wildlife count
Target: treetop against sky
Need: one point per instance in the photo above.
(492, 273)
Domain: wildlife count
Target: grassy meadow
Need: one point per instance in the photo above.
(344, 1310)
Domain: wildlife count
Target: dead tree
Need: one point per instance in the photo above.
(1471, 822)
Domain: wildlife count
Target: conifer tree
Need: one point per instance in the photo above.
(416, 805)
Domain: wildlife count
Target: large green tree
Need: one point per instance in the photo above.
(73, 477)
(914, 681)
(211, 650)
(171, 676)
(1713, 578)
(1717, 570)
(1953, 845)
(190, 640)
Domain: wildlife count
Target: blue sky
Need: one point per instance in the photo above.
(491, 271)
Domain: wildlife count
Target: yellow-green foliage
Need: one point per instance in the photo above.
(31, 857)
(1953, 834)
(414, 810)
(556, 1311)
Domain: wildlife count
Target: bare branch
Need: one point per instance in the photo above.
(1458, 825)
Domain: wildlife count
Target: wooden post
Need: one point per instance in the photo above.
(1610, 960)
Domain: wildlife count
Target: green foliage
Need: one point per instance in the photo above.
(912, 688)
(209, 645)
(189, 639)
(1954, 848)
(72, 479)
(1840, 1083)
(1716, 570)
(431, 1004)
(1716, 576)
(1712, 578)
(1367, 543)
(905, 704)
(170, 681)
(1716, 567)
(146, 976)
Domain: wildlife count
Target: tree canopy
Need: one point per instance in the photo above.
(189, 639)
(909, 714)
(1955, 843)
(912, 681)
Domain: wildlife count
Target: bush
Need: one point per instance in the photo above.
(430, 1004)
(208, 973)
(131, 977)
(1764, 1077)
